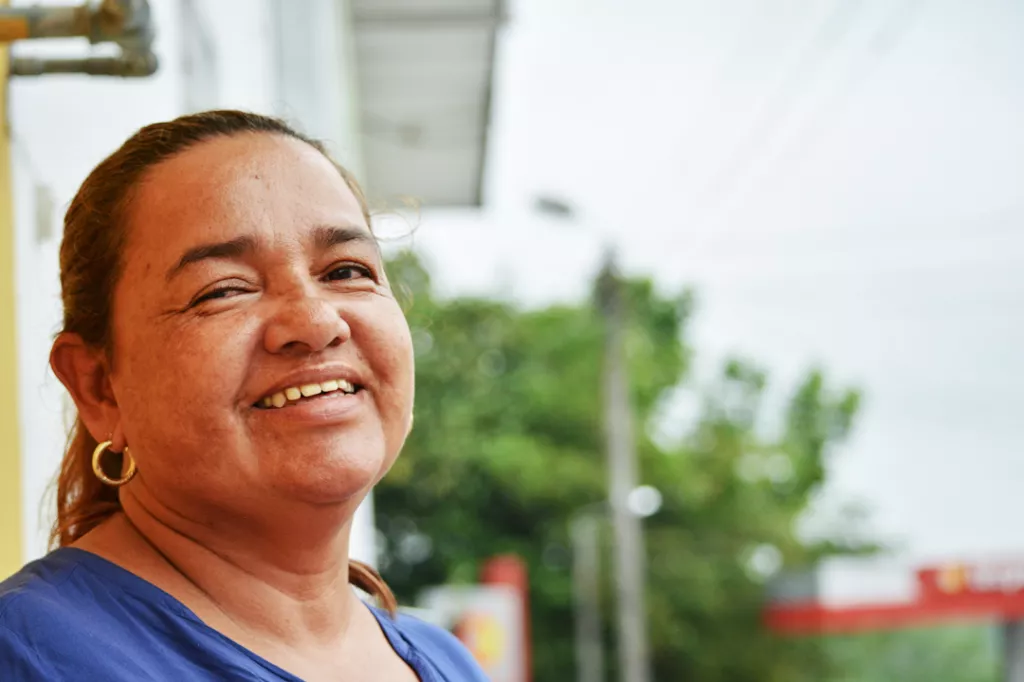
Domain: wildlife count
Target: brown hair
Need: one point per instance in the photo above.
(90, 265)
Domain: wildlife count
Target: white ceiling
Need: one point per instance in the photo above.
(424, 77)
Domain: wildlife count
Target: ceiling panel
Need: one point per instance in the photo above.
(424, 77)
(440, 9)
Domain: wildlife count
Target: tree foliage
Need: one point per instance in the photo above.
(955, 653)
(508, 445)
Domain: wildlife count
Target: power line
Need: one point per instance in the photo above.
(828, 35)
(881, 43)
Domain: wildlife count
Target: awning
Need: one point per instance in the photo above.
(424, 74)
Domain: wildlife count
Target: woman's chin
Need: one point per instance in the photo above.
(328, 479)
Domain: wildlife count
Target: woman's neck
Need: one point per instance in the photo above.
(263, 591)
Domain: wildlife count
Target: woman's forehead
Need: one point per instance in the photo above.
(254, 184)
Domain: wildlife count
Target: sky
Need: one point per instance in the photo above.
(840, 184)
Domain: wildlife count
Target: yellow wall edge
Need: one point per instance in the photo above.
(10, 436)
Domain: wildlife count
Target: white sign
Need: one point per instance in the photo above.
(489, 621)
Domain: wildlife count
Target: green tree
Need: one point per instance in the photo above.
(956, 653)
(508, 445)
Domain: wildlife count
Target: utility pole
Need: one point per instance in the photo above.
(630, 564)
(584, 531)
(1013, 651)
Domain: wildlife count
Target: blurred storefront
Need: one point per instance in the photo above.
(490, 618)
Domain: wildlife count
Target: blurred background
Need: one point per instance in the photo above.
(717, 309)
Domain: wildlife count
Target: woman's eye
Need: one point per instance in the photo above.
(348, 271)
(224, 292)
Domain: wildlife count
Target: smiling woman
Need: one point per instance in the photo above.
(243, 377)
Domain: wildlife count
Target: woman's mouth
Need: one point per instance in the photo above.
(296, 394)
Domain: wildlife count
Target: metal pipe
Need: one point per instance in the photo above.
(128, 66)
(128, 23)
(44, 22)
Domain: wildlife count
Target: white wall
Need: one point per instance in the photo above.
(62, 126)
(314, 73)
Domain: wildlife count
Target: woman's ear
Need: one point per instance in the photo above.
(84, 371)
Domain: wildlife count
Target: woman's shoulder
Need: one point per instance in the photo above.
(33, 607)
(439, 647)
(75, 615)
(72, 615)
(36, 591)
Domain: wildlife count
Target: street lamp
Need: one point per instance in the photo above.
(585, 536)
(644, 501)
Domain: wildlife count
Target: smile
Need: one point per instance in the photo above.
(296, 394)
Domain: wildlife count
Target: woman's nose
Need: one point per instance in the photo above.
(306, 323)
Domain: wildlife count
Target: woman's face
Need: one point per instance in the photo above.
(258, 351)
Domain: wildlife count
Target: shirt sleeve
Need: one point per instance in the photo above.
(20, 661)
(442, 649)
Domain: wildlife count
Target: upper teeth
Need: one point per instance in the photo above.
(293, 393)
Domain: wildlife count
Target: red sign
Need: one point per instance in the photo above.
(958, 580)
(953, 592)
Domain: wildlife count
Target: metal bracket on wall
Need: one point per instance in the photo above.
(128, 23)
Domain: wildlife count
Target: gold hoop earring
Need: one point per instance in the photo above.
(97, 468)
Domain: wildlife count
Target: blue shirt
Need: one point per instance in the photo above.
(73, 615)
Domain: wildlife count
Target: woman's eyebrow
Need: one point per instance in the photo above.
(233, 248)
(326, 236)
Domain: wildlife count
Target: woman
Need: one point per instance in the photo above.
(243, 377)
